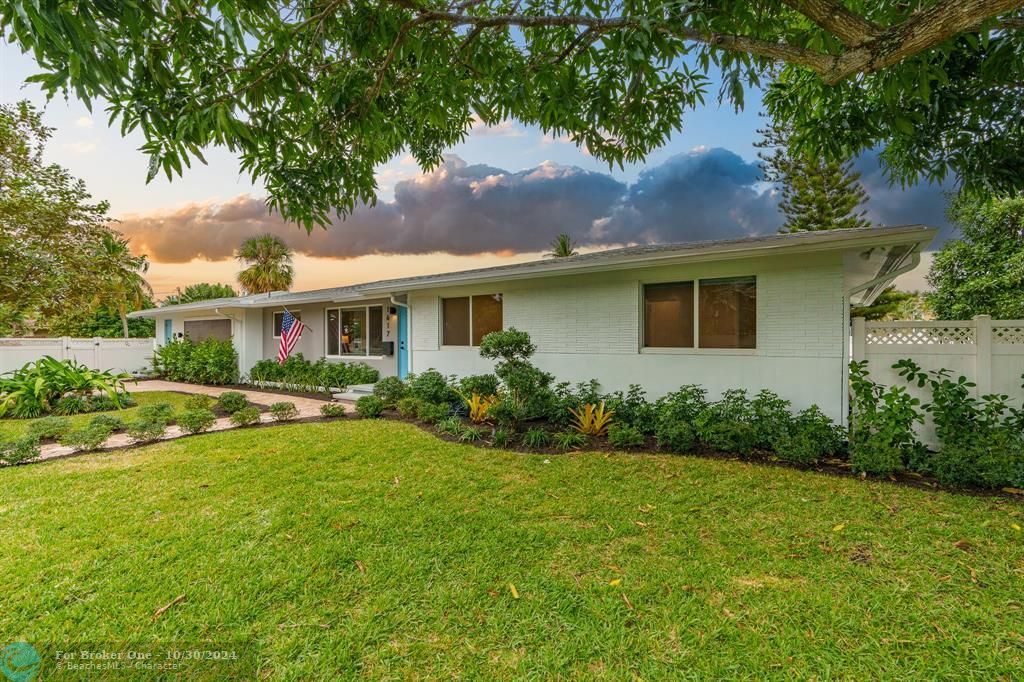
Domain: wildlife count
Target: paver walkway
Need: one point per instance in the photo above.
(307, 407)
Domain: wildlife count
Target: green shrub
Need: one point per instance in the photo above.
(798, 447)
(113, 422)
(727, 425)
(390, 390)
(682, 405)
(528, 393)
(19, 450)
(49, 427)
(536, 438)
(771, 418)
(369, 407)
(332, 410)
(160, 412)
(502, 437)
(882, 437)
(38, 386)
(450, 425)
(735, 438)
(431, 413)
(472, 434)
(873, 453)
(481, 384)
(246, 416)
(816, 426)
(232, 401)
(87, 438)
(430, 387)
(146, 430)
(624, 436)
(199, 401)
(103, 403)
(196, 420)
(566, 397)
(284, 411)
(71, 404)
(633, 409)
(678, 437)
(507, 412)
(213, 361)
(569, 440)
(408, 407)
(360, 373)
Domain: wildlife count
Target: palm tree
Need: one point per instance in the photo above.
(562, 246)
(123, 285)
(269, 263)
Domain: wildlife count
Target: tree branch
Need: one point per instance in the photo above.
(852, 29)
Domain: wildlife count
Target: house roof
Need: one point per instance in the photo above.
(915, 236)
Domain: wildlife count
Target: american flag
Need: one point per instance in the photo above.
(291, 330)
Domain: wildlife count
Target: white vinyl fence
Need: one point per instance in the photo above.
(988, 352)
(123, 355)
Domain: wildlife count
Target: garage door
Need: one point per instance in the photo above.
(200, 330)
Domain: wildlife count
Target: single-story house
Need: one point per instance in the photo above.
(762, 312)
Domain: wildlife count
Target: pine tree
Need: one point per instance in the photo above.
(816, 195)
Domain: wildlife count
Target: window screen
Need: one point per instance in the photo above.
(375, 331)
(486, 316)
(334, 332)
(668, 315)
(200, 330)
(353, 332)
(728, 313)
(455, 321)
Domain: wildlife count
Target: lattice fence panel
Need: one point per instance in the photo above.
(1008, 335)
(919, 336)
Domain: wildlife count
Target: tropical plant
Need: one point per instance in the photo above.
(536, 438)
(502, 437)
(562, 246)
(845, 77)
(245, 416)
(203, 291)
(591, 419)
(283, 411)
(70, 405)
(196, 420)
(882, 420)
(369, 407)
(451, 426)
(479, 406)
(37, 387)
(472, 434)
(268, 264)
(569, 440)
(123, 285)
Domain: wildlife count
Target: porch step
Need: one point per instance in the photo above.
(354, 392)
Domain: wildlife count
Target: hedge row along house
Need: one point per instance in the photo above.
(761, 312)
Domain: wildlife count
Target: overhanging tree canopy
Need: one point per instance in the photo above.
(314, 95)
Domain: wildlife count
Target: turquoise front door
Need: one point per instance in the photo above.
(403, 342)
(168, 331)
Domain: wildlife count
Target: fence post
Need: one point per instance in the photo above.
(65, 342)
(859, 338)
(983, 360)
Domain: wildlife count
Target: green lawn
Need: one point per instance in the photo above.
(13, 428)
(373, 548)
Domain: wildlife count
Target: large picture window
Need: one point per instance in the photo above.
(726, 314)
(466, 320)
(355, 331)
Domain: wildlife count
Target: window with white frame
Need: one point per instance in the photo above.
(707, 313)
(355, 331)
(466, 320)
(279, 321)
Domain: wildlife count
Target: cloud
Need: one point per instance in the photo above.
(83, 122)
(471, 209)
(503, 129)
(82, 147)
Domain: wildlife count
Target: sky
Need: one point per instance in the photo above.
(500, 197)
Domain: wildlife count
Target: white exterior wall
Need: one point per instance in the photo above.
(589, 326)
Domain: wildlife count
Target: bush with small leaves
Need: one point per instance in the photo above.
(283, 411)
(502, 437)
(160, 412)
(146, 430)
(232, 401)
(624, 436)
(536, 438)
(20, 450)
(49, 427)
(390, 390)
(431, 413)
(197, 420)
(431, 387)
(108, 420)
(451, 426)
(472, 434)
(873, 453)
(678, 437)
(199, 401)
(332, 410)
(369, 407)
(90, 437)
(797, 447)
(481, 384)
(569, 440)
(408, 407)
(246, 416)
(71, 404)
(104, 403)
(735, 438)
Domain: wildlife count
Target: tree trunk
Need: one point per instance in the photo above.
(124, 319)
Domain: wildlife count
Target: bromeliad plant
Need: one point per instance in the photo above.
(39, 386)
(479, 406)
(591, 419)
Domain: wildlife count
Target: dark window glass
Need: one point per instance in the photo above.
(668, 315)
(455, 321)
(728, 313)
(353, 332)
(376, 330)
(333, 332)
(486, 316)
(279, 321)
